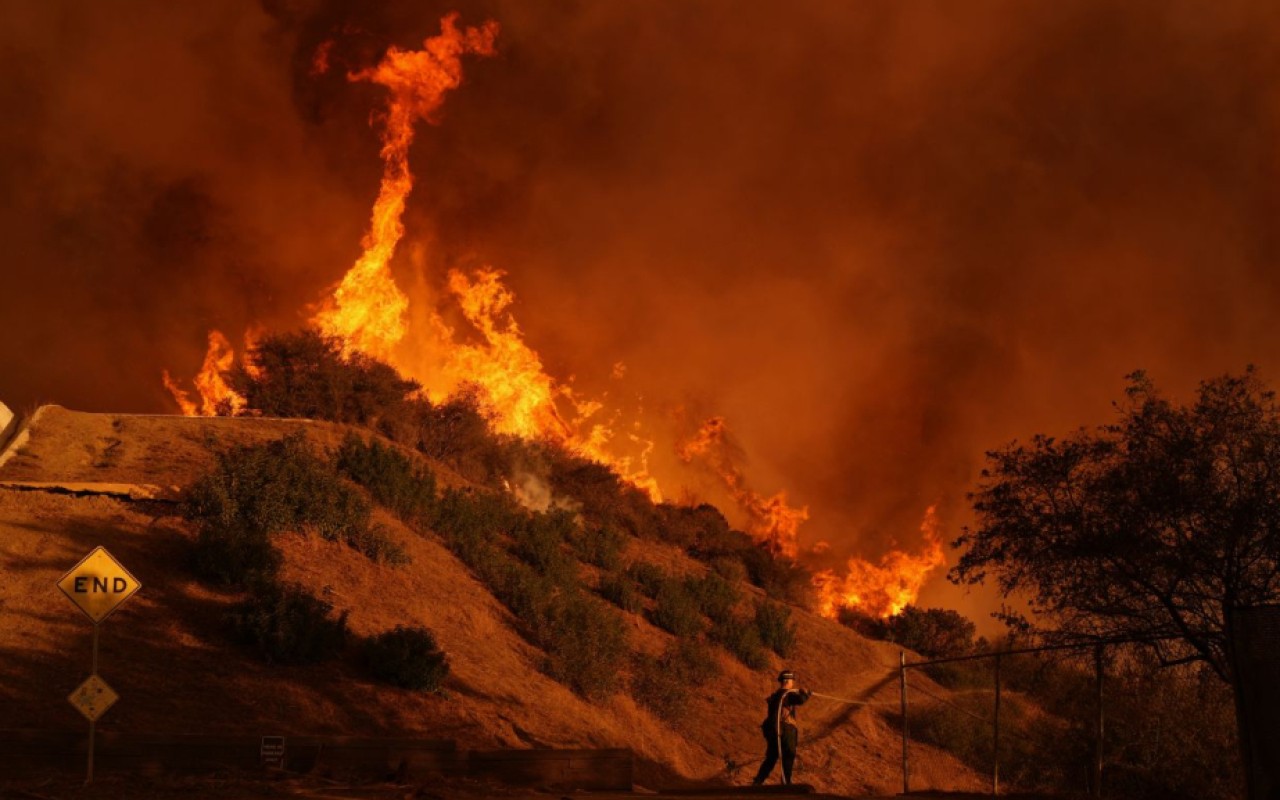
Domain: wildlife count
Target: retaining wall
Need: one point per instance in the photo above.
(28, 752)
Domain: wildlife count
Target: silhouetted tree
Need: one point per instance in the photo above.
(1154, 526)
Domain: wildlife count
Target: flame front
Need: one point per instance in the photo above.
(884, 589)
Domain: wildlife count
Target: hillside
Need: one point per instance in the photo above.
(167, 654)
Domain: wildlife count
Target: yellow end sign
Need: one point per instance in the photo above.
(93, 697)
(98, 584)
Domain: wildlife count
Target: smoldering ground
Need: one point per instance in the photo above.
(878, 238)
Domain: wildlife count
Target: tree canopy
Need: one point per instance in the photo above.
(1153, 526)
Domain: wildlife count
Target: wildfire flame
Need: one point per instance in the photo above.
(769, 519)
(367, 310)
(884, 589)
(215, 394)
(368, 313)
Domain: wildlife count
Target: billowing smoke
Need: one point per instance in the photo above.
(876, 238)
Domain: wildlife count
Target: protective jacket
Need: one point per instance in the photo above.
(782, 708)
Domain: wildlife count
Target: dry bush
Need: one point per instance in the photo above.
(675, 610)
(260, 490)
(741, 638)
(406, 489)
(663, 685)
(585, 642)
(777, 631)
(715, 596)
(406, 657)
(306, 375)
(622, 592)
(286, 625)
(601, 547)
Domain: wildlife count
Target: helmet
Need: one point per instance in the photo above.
(786, 675)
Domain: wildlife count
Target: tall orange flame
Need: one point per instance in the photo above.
(367, 310)
(769, 519)
(884, 589)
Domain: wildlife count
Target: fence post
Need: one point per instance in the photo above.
(1097, 760)
(995, 736)
(902, 683)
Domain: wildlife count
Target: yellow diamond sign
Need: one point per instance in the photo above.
(93, 697)
(98, 584)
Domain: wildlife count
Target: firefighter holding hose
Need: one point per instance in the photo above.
(779, 727)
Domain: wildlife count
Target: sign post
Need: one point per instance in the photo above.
(97, 585)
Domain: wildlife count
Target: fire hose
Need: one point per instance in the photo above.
(852, 702)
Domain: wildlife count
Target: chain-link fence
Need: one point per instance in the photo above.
(1070, 720)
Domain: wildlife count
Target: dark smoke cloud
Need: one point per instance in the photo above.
(878, 238)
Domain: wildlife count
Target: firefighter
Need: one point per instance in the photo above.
(779, 727)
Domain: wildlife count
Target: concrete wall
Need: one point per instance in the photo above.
(34, 752)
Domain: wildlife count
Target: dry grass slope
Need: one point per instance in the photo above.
(166, 650)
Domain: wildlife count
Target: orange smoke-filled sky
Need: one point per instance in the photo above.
(878, 238)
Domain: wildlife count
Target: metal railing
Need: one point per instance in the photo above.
(910, 691)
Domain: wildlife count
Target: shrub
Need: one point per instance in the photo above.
(520, 588)
(376, 544)
(862, 622)
(715, 596)
(777, 632)
(407, 490)
(663, 684)
(780, 577)
(931, 632)
(655, 688)
(649, 577)
(741, 638)
(457, 433)
(675, 610)
(585, 642)
(305, 374)
(729, 568)
(622, 592)
(539, 539)
(606, 500)
(599, 546)
(470, 522)
(704, 531)
(257, 491)
(235, 555)
(692, 662)
(406, 657)
(286, 625)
